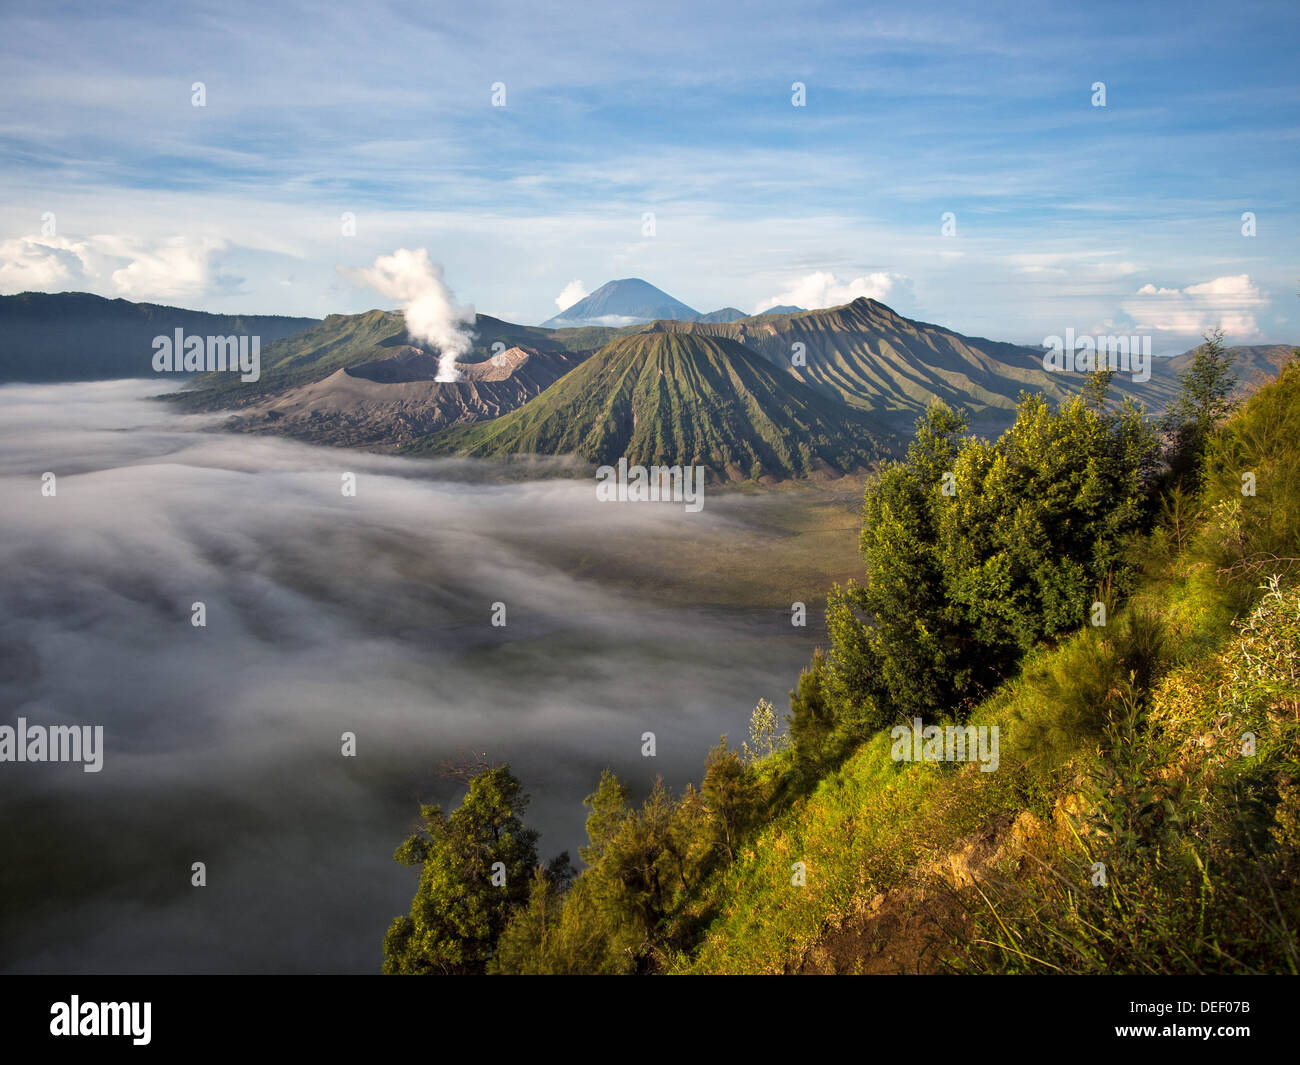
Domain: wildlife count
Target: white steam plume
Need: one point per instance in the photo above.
(428, 305)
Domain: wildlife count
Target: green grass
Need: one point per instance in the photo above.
(1120, 745)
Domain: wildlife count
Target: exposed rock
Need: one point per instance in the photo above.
(386, 403)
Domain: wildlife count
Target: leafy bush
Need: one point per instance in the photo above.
(978, 550)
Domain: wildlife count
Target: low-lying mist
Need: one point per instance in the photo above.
(324, 614)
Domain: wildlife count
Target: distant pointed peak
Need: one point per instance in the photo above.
(626, 301)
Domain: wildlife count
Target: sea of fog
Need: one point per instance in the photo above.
(325, 614)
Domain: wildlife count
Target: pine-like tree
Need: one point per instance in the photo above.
(1204, 402)
(477, 870)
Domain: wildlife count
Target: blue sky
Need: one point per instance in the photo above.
(1123, 217)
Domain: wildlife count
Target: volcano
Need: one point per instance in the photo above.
(670, 398)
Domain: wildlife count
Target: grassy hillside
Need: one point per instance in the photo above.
(923, 867)
(879, 361)
(663, 397)
(1144, 812)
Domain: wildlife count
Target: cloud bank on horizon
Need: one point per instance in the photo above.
(822, 289)
(959, 166)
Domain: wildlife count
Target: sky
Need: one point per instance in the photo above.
(951, 160)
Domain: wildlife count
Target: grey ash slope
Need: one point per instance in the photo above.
(357, 380)
(390, 402)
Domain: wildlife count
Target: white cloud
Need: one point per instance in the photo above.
(32, 265)
(176, 269)
(1228, 302)
(571, 294)
(172, 269)
(617, 321)
(1123, 269)
(1083, 265)
(824, 289)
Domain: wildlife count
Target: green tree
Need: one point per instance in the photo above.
(811, 717)
(1204, 401)
(639, 860)
(1097, 387)
(763, 739)
(594, 922)
(477, 866)
(729, 794)
(527, 942)
(608, 806)
(914, 650)
(975, 550)
(1039, 523)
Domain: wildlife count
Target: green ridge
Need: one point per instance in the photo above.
(662, 397)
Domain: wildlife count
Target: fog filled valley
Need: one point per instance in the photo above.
(327, 614)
